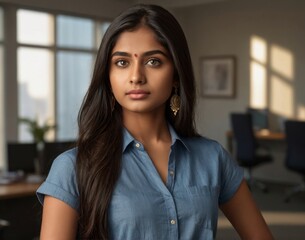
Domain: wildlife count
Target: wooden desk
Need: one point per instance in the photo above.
(20, 189)
(260, 135)
(264, 135)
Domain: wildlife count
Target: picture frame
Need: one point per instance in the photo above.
(217, 76)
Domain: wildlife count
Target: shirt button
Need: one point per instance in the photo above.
(171, 172)
(173, 222)
(137, 145)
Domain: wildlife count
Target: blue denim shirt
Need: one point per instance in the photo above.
(201, 175)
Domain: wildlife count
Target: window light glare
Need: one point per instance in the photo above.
(35, 27)
(282, 101)
(282, 62)
(258, 49)
(258, 86)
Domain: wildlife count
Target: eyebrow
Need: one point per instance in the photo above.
(146, 54)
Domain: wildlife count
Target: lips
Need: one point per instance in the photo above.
(137, 94)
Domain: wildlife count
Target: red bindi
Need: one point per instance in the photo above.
(136, 55)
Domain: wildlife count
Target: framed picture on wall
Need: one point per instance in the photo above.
(217, 76)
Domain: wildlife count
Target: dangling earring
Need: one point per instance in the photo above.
(175, 102)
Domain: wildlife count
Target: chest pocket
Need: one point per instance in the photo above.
(197, 206)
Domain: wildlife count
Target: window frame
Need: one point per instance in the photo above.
(55, 49)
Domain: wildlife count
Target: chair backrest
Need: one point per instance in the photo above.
(21, 156)
(295, 139)
(244, 136)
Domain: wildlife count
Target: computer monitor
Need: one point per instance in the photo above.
(259, 118)
(21, 156)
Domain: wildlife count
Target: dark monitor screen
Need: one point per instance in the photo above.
(21, 156)
(259, 118)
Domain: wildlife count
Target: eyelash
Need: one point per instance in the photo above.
(119, 63)
(153, 62)
(156, 61)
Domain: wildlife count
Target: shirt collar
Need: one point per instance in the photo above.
(128, 138)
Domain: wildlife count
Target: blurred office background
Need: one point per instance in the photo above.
(48, 48)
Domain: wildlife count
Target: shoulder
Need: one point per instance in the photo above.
(61, 181)
(66, 159)
(203, 144)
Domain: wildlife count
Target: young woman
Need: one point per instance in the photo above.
(140, 170)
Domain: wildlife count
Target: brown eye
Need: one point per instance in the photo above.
(121, 63)
(154, 62)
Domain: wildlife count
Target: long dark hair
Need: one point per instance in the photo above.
(100, 120)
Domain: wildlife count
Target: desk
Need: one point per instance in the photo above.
(259, 135)
(20, 189)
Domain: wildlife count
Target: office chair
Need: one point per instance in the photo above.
(246, 147)
(295, 153)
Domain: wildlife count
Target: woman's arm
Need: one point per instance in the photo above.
(59, 220)
(242, 212)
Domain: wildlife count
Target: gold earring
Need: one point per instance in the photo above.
(175, 102)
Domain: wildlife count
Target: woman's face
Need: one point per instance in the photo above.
(141, 72)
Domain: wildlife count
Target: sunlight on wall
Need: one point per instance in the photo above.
(258, 79)
(282, 88)
(282, 97)
(271, 78)
(258, 86)
(301, 112)
(259, 49)
(282, 62)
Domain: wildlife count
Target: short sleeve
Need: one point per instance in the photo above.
(231, 176)
(61, 181)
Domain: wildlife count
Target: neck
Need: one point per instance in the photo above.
(147, 128)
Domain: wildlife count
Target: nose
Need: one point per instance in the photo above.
(137, 76)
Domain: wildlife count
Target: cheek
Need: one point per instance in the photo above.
(115, 81)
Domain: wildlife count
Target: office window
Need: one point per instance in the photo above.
(35, 81)
(54, 72)
(35, 27)
(75, 32)
(101, 29)
(2, 100)
(73, 76)
(35, 68)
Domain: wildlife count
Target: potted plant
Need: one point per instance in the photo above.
(38, 133)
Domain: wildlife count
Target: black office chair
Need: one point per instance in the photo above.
(295, 154)
(246, 147)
